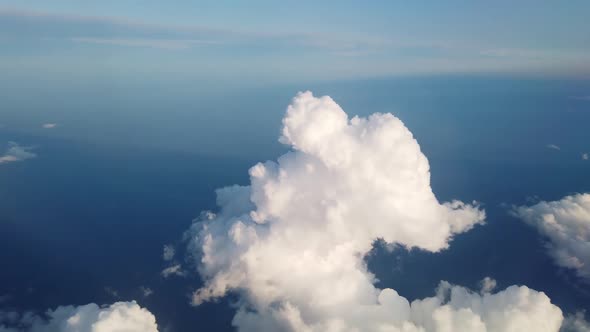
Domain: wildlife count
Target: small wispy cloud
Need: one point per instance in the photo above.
(585, 156)
(168, 252)
(49, 125)
(146, 291)
(111, 291)
(174, 270)
(16, 152)
(553, 147)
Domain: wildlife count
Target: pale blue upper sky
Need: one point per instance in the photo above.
(289, 41)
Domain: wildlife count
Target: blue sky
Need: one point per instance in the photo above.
(292, 41)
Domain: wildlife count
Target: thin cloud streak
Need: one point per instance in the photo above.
(166, 44)
(16, 153)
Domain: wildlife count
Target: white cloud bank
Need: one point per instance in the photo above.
(566, 224)
(16, 152)
(118, 317)
(292, 243)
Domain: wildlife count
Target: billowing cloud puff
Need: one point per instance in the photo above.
(292, 244)
(566, 224)
(118, 317)
(16, 152)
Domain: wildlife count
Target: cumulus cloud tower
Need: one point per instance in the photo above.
(357, 180)
(292, 243)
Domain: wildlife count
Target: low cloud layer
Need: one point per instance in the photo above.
(566, 225)
(15, 153)
(118, 317)
(292, 244)
(336, 53)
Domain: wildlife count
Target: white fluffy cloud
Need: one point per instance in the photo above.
(566, 224)
(292, 243)
(118, 317)
(16, 152)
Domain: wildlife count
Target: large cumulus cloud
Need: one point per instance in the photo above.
(118, 317)
(566, 224)
(292, 243)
